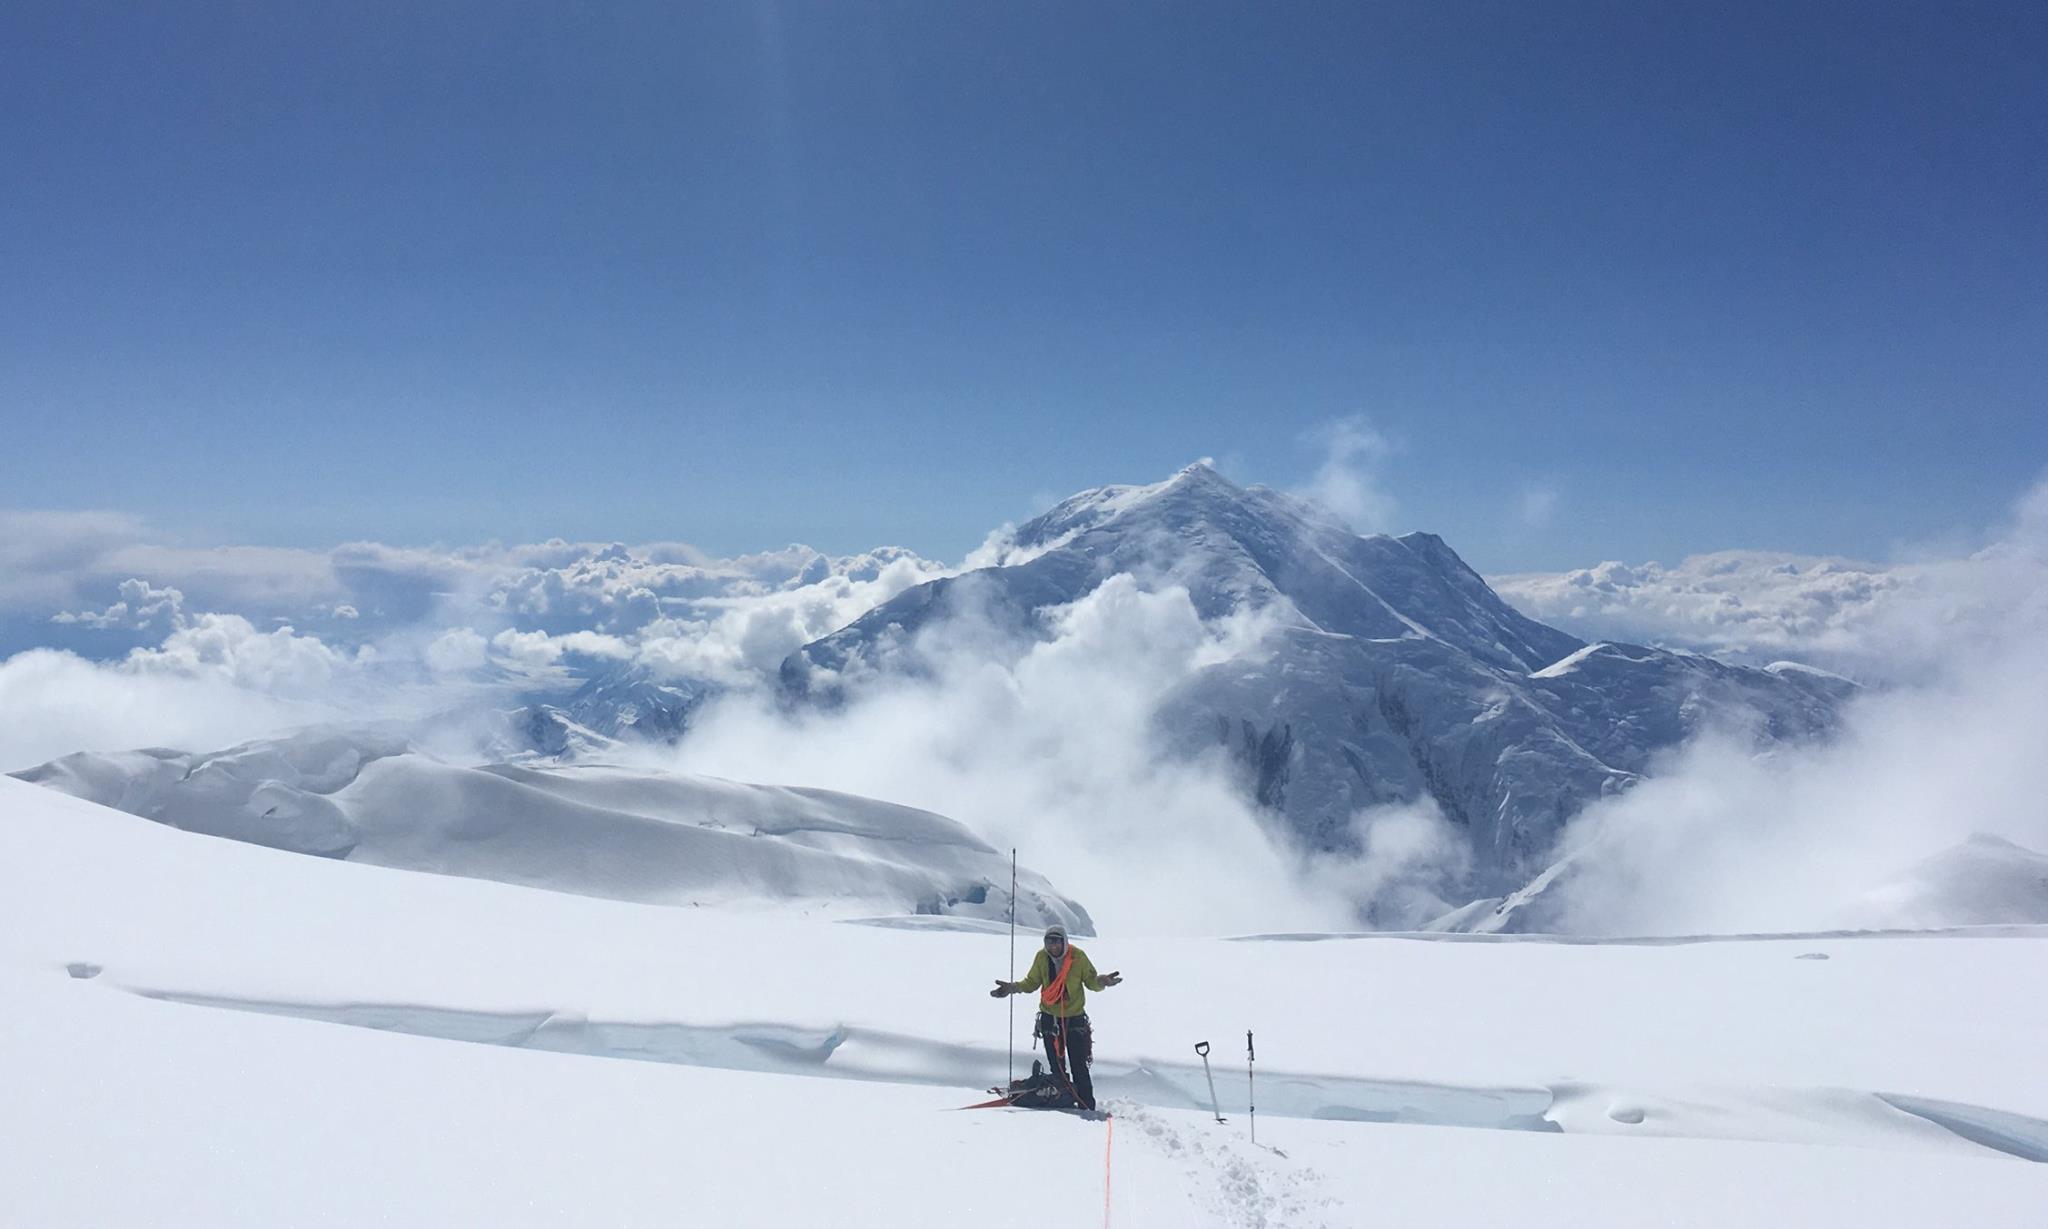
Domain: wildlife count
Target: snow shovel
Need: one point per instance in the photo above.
(1202, 1048)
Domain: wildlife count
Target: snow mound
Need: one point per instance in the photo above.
(592, 830)
(1985, 880)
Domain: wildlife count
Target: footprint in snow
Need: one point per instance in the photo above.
(1240, 1185)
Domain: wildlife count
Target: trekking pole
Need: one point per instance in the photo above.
(1011, 999)
(1251, 1089)
(1202, 1048)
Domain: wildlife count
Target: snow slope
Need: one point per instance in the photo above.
(177, 1046)
(660, 838)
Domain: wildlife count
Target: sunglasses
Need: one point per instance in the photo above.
(1055, 941)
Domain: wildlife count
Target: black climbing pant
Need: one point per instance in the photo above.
(1071, 1047)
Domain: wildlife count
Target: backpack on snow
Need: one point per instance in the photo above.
(1041, 1090)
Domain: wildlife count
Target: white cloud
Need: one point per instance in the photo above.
(1050, 746)
(1723, 840)
(45, 555)
(1410, 853)
(459, 650)
(424, 629)
(230, 647)
(1755, 604)
(528, 649)
(140, 607)
(621, 590)
(742, 639)
(267, 578)
(1349, 482)
(76, 567)
(58, 703)
(213, 681)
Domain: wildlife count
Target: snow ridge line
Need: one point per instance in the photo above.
(1832, 1116)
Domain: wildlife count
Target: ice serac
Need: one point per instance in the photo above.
(1394, 673)
(592, 830)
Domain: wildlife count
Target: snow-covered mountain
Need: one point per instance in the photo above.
(593, 830)
(614, 705)
(634, 702)
(1393, 673)
(543, 732)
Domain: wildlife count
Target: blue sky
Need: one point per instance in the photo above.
(1688, 277)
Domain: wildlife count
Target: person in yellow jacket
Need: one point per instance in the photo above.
(1062, 974)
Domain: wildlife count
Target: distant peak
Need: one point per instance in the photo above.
(1202, 473)
(1195, 488)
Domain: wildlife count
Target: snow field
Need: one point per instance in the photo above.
(1760, 1080)
(144, 1113)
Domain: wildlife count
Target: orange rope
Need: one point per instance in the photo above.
(1108, 1142)
(1056, 989)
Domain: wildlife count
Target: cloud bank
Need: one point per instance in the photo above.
(1048, 746)
(1045, 740)
(211, 646)
(1722, 840)
(1747, 604)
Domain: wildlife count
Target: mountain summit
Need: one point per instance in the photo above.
(1394, 673)
(1232, 545)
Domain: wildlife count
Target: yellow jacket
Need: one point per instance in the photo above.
(1080, 979)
